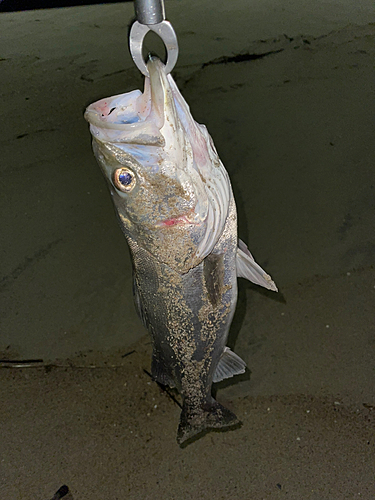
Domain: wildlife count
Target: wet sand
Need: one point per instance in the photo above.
(295, 130)
(110, 433)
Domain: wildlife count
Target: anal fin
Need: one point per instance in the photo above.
(230, 364)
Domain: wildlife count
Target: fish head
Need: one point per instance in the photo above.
(169, 188)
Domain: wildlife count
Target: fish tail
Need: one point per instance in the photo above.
(212, 416)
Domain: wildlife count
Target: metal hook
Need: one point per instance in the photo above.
(151, 17)
(167, 34)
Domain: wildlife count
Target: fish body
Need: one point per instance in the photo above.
(176, 208)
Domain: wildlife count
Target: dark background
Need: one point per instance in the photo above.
(17, 5)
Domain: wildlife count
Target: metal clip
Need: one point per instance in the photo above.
(151, 17)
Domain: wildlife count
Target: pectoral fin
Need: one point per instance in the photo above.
(229, 365)
(249, 269)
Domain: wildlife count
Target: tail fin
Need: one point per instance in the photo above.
(214, 416)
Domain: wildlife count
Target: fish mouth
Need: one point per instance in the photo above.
(143, 119)
(126, 119)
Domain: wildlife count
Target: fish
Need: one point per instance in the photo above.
(175, 206)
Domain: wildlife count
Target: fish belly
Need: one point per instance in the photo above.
(188, 316)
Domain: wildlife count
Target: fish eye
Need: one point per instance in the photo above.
(124, 179)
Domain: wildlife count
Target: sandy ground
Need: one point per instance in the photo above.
(295, 129)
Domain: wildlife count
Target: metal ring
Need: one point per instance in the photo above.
(167, 34)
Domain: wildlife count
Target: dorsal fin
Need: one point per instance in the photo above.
(249, 269)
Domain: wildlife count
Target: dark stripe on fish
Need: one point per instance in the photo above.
(213, 271)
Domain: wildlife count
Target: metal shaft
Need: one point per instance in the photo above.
(149, 11)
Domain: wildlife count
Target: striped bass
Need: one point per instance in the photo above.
(175, 206)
